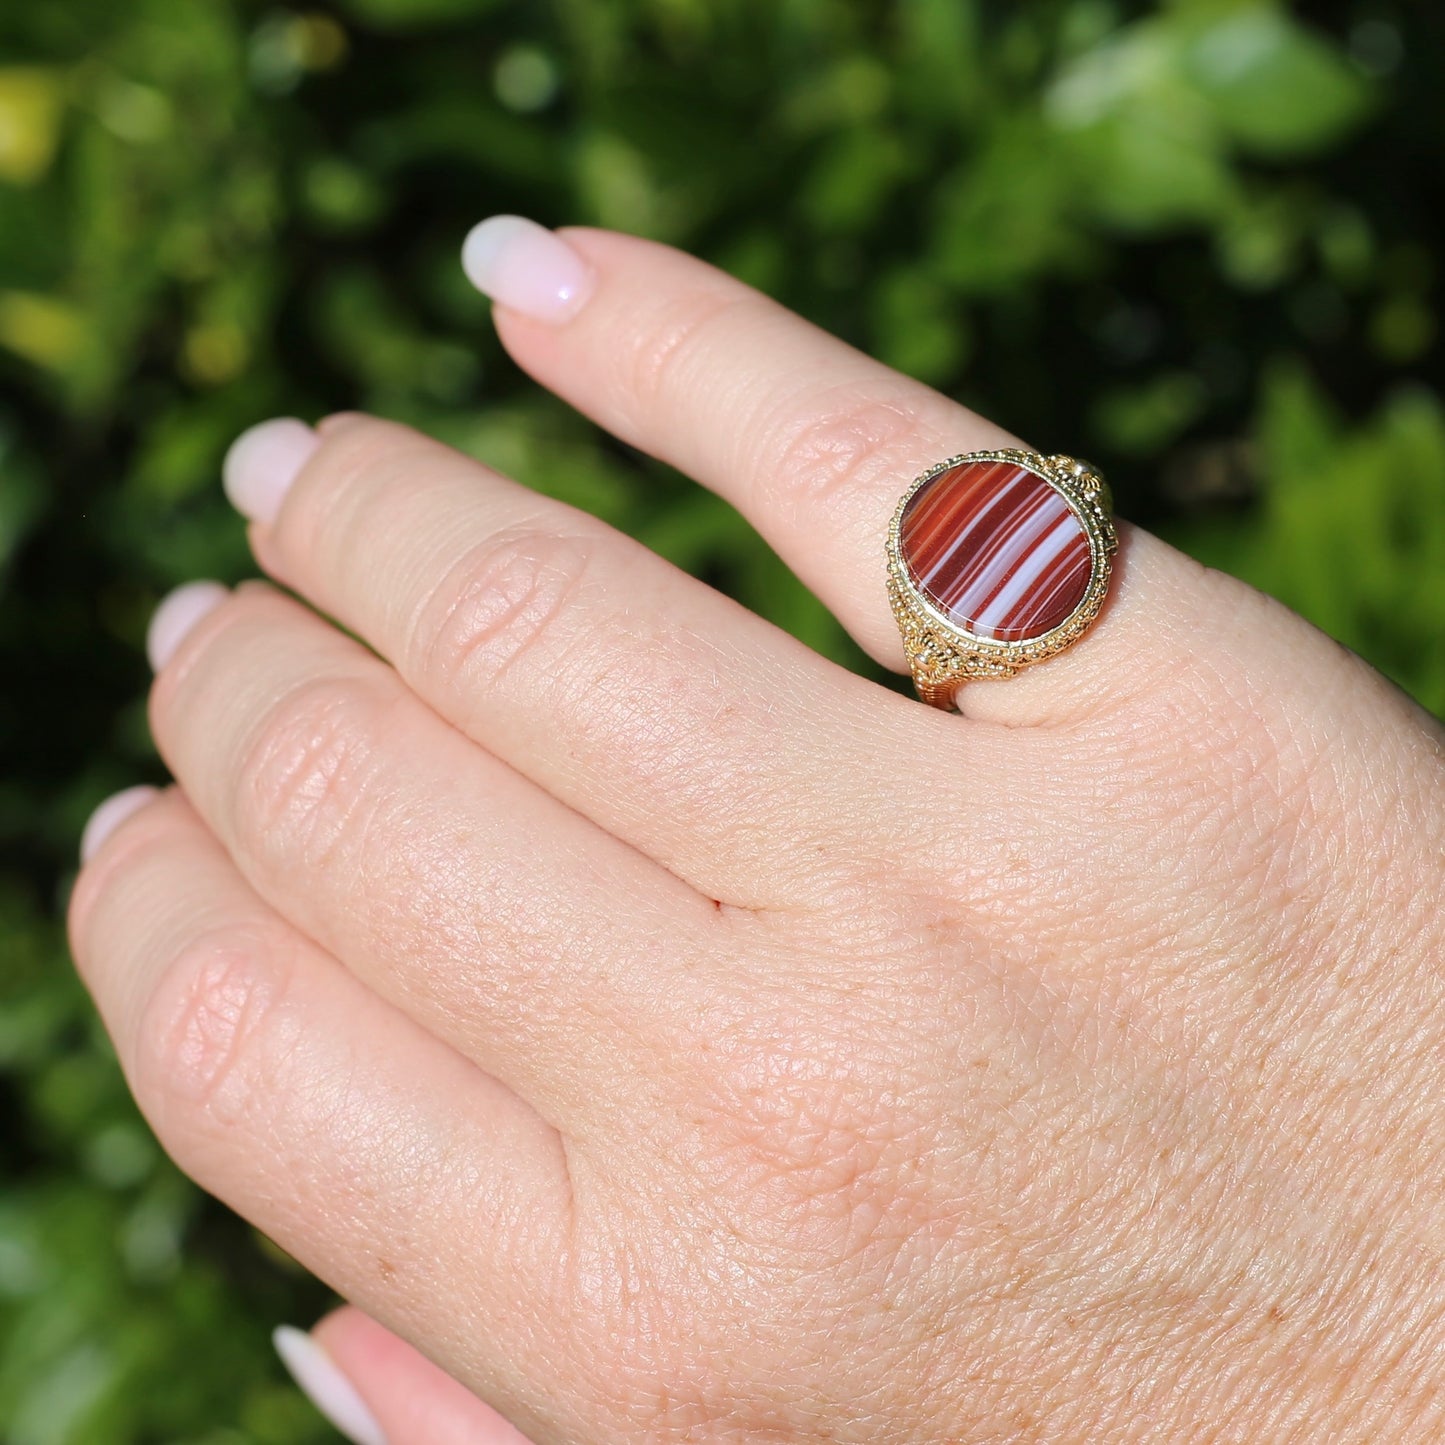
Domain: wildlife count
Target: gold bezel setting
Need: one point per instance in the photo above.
(943, 654)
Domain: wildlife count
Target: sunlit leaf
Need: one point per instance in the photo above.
(1276, 87)
(31, 100)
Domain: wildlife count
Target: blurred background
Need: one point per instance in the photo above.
(1196, 242)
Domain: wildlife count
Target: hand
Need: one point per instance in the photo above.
(675, 1036)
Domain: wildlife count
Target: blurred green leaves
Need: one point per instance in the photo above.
(30, 110)
(1194, 241)
(1273, 87)
(1157, 109)
(412, 15)
(1155, 115)
(1352, 527)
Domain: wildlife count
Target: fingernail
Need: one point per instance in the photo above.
(526, 267)
(110, 814)
(263, 462)
(179, 611)
(325, 1386)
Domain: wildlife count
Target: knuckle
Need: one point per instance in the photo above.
(840, 439)
(359, 456)
(361, 484)
(216, 1030)
(506, 599)
(658, 355)
(306, 772)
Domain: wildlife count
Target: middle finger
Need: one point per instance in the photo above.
(673, 717)
(507, 925)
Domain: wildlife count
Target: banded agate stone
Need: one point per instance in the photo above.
(996, 549)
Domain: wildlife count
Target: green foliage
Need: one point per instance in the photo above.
(1191, 240)
(1351, 531)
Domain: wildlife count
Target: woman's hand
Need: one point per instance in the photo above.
(675, 1036)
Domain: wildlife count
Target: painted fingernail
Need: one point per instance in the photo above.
(322, 1382)
(526, 267)
(263, 462)
(179, 611)
(110, 814)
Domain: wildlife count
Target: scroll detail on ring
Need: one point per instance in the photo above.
(996, 561)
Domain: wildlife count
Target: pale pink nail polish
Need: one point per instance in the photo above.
(323, 1383)
(110, 814)
(526, 267)
(263, 462)
(179, 611)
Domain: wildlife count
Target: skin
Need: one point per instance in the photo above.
(672, 1036)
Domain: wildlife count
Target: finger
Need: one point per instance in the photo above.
(669, 715)
(378, 1390)
(367, 1149)
(499, 919)
(813, 441)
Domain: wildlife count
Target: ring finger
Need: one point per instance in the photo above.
(813, 441)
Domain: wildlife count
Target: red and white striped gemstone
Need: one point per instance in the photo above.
(996, 549)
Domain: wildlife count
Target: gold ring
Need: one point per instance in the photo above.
(996, 561)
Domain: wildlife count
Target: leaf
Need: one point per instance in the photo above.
(918, 327)
(31, 102)
(1144, 419)
(1153, 172)
(43, 329)
(989, 233)
(1142, 150)
(850, 183)
(1277, 88)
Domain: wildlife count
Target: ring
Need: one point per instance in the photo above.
(996, 561)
